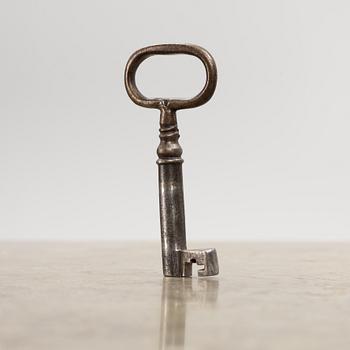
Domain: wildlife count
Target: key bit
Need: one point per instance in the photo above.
(177, 259)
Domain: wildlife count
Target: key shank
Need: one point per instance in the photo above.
(177, 260)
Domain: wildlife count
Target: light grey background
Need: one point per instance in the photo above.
(266, 158)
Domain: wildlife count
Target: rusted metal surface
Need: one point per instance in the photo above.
(177, 259)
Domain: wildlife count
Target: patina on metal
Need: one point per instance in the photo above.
(177, 259)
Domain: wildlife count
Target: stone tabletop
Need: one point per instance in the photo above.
(111, 295)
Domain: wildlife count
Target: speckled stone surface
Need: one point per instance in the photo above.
(110, 295)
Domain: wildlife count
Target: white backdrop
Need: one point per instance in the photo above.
(266, 158)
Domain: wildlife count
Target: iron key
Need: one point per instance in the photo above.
(177, 259)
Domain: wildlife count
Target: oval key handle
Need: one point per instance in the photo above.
(171, 49)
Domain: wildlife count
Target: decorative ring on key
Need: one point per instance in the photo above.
(170, 49)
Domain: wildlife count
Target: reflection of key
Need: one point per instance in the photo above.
(177, 259)
(184, 299)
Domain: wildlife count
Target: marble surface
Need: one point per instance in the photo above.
(110, 295)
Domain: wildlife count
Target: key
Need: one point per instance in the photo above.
(177, 260)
